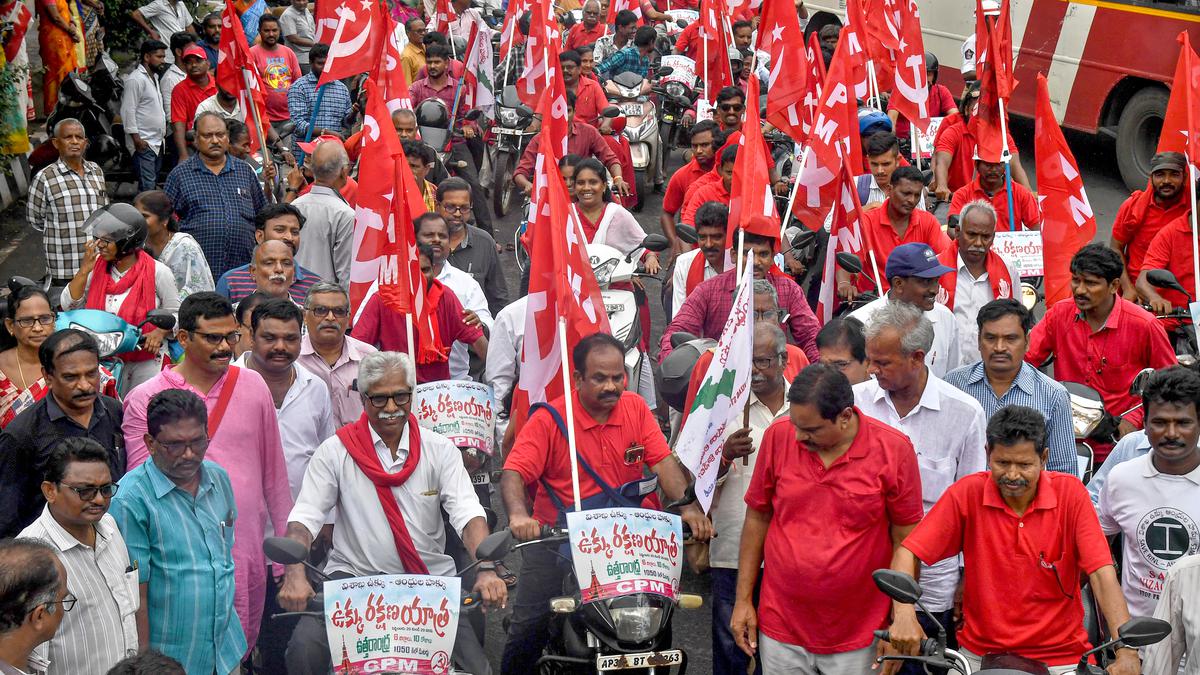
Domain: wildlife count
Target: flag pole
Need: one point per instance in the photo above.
(875, 269)
(257, 119)
(408, 328)
(797, 167)
(742, 261)
(570, 411)
(1006, 157)
(913, 142)
(1195, 229)
(872, 83)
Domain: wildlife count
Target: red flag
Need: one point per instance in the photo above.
(443, 16)
(388, 75)
(561, 284)
(1179, 130)
(326, 20)
(509, 35)
(993, 49)
(1067, 220)
(845, 235)
(835, 128)
(715, 71)
(358, 41)
(234, 63)
(751, 201)
(615, 6)
(911, 93)
(867, 56)
(541, 54)
(812, 90)
(779, 34)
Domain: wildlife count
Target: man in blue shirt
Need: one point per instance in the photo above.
(634, 58)
(1002, 378)
(216, 197)
(302, 98)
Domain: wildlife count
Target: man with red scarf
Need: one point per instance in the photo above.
(385, 474)
(379, 326)
(705, 261)
(1146, 212)
(118, 276)
(980, 275)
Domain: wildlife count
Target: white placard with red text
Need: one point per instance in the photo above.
(461, 410)
(623, 551)
(1023, 249)
(925, 138)
(683, 70)
(396, 622)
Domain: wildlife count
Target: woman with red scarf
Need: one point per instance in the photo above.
(118, 276)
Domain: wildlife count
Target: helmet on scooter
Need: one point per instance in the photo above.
(119, 223)
(432, 113)
(931, 67)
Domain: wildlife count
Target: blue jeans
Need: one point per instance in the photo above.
(728, 658)
(146, 164)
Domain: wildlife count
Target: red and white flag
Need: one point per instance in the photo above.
(1180, 132)
(910, 95)
(779, 35)
(477, 66)
(858, 41)
(813, 84)
(326, 19)
(541, 54)
(993, 50)
(443, 16)
(358, 41)
(509, 33)
(561, 284)
(715, 71)
(235, 68)
(388, 74)
(1068, 223)
(845, 235)
(615, 6)
(751, 200)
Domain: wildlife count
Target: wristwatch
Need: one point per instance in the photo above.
(487, 566)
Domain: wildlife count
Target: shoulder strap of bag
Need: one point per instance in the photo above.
(214, 418)
(562, 428)
(863, 183)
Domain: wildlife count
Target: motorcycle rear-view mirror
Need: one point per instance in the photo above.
(1139, 381)
(687, 234)
(17, 283)
(681, 337)
(1141, 631)
(897, 586)
(285, 551)
(1164, 279)
(799, 237)
(611, 112)
(160, 318)
(495, 546)
(665, 71)
(656, 243)
(849, 262)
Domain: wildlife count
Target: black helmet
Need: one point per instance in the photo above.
(432, 112)
(931, 67)
(119, 223)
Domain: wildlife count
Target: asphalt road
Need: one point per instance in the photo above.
(691, 628)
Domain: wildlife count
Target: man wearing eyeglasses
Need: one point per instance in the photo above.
(244, 432)
(33, 599)
(71, 363)
(328, 352)
(472, 250)
(387, 476)
(100, 629)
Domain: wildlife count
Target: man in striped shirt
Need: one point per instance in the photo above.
(277, 221)
(100, 630)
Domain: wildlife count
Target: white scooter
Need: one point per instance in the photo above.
(611, 266)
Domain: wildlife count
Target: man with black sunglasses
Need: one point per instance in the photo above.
(100, 629)
(74, 408)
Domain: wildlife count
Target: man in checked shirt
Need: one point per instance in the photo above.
(63, 196)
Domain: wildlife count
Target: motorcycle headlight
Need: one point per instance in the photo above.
(636, 624)
(675, 89)
(508, 117)
(604, 271)
(109, 342)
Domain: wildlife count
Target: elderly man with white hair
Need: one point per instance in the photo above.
(945, 425)
(385, 474)
(327, 240)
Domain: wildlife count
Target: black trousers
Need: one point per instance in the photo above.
(528, 630)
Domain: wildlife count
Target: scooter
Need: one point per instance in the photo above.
(117, 337)
(631, 93)
(611, 266)
(1139, 631)
(1092, 423)
(511, 135)
(1183, 331)
(676, 96)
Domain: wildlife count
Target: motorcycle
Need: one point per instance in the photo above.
(676, 96)
(1178, 322)
(1138, 631)
(631, 94)
(117, 337)
(511, 135)
(1092, 423)
(851, 263)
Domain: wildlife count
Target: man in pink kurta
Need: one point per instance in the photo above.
(246, 443)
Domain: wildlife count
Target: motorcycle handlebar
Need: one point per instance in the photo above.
(929, 646)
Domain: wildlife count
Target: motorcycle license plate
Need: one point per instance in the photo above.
(631, 109)
(670, 657)
(481, 478)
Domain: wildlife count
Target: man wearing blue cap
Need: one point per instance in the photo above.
(913, 271)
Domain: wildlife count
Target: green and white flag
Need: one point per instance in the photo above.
(717, 410)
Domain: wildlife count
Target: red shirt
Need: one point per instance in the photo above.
(955, 139)
(1046, 549)
(1106, 360)
(709, 191)
(677, 188)
(278, 69)
(580, 36)
(386, 330)
(881, 237)
(830, 529)
(589, 101)
(582, 139)
(688, 42)
(940, 104)
(796, 362)
(541, 453)
(1171, 250)
(1138, 220)
(1028, 216)
(186, 97)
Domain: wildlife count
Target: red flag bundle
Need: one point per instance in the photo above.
(388, 75)
(1180, 132)
(561, 284)
(845, 235)
(1067, 220)
(234, 63)
(779, 34)
(509, 35)
(993, 49)
(358, 41)
(911, 92)
(864, 59)
(751, 201)
(715, 70)
(541, 54)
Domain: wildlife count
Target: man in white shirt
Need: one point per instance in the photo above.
(1178, 606)
(945, 425)
(432, 229)
(101, 629)
(223, 104)
(143, 114)
(298, 27)
(174, 74)
(386, 475)
(503, 364)
(301, 400)
(913, 271)
(328, 234)
(1154, 500)
(163, 18)
(329, 353)
(34, 599)
(705, 261)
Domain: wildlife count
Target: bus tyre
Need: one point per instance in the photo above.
(1137, 135)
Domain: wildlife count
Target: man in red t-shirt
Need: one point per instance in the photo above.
(701, 164)
(713, 187)
(618, 437)
(589, 30)
(1146, 212)
(187, 95)
(832, 492)
(988, 185)
(1170, 250)
(1018, 522)
(277, 66)
(954, 149)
